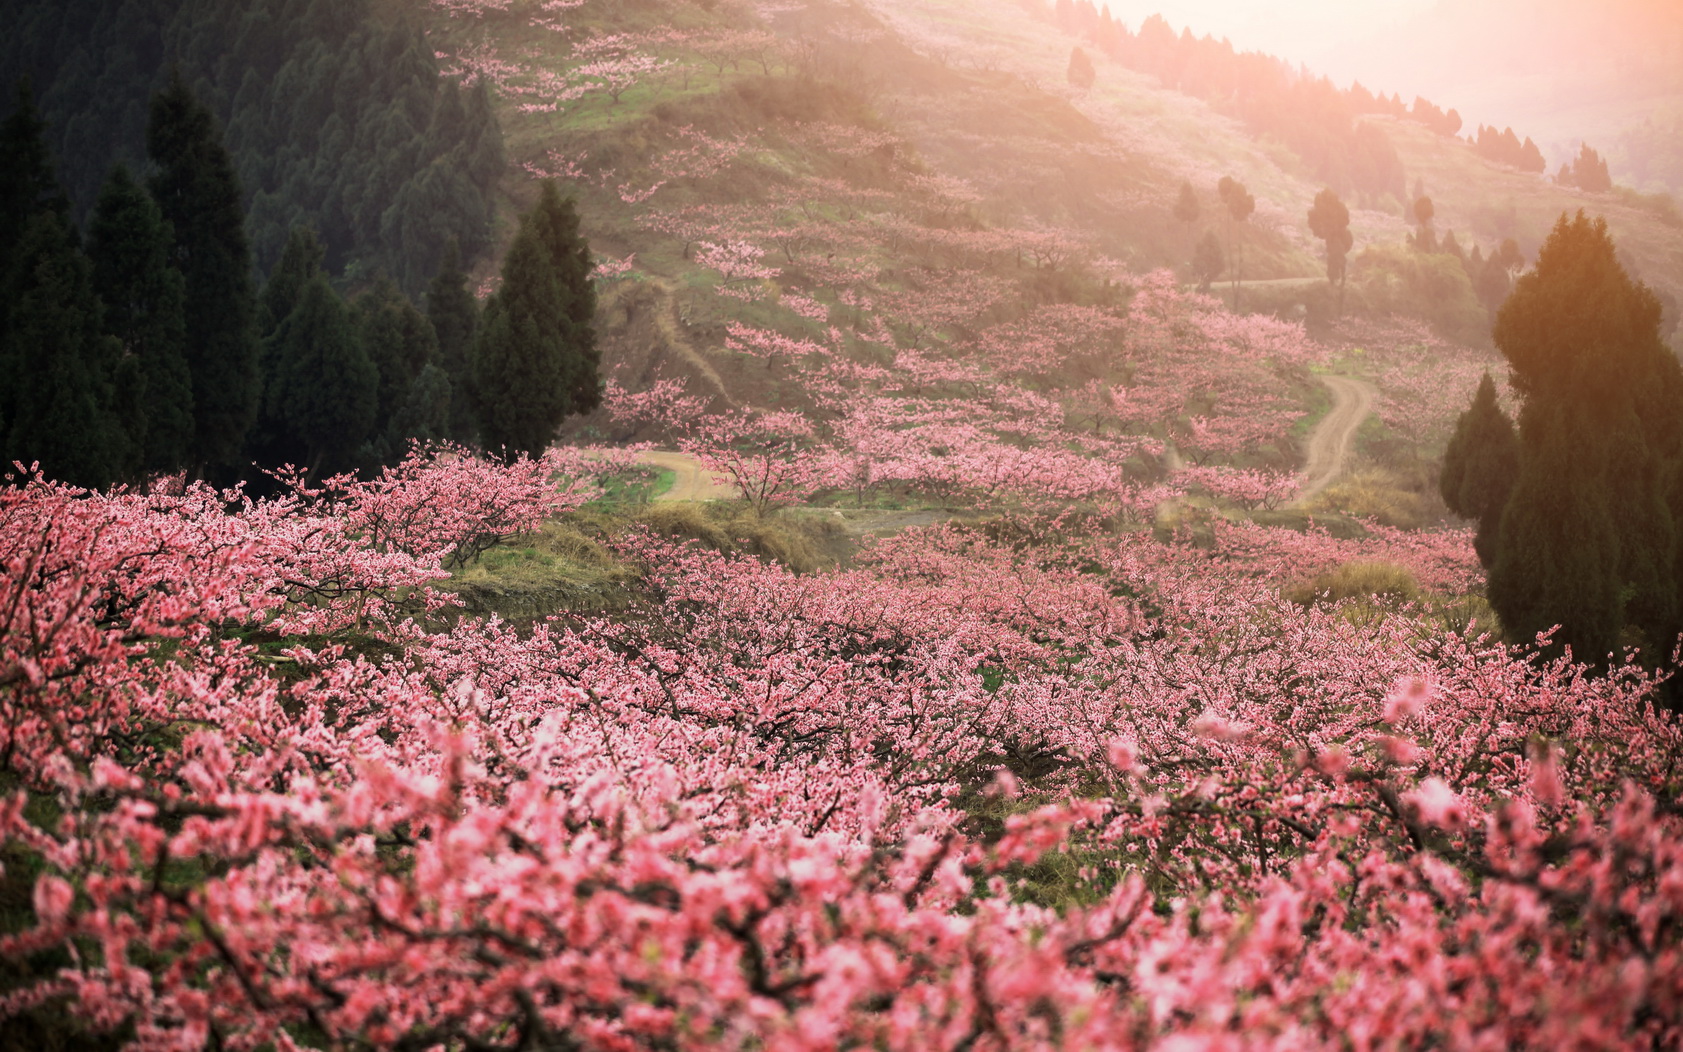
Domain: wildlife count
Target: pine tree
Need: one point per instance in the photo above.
(1557, 553)
(1240, 204)
(1187, 208)
(400, 342)
(67, 413)
(1479, 467)
(27, 183)
(535, 360)
(326, 390)
(454, 314)
(196, 188)
(1207, 260)
(1080, 73)
(300, 261)
(1329, 220)
(144, 297)
(28, 189)
(1600, 434)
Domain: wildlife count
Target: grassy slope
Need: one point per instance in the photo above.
(1493, 202)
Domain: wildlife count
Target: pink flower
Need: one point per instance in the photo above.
(1123, 756)
(1407, 697)
(1439, 805)
(53, 897)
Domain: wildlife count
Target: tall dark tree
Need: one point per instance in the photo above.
(454, 314)
(1329, 220)
(1080, 72)
(400, 342)
(27, 189)
(1240, 204)
(27, 183)
(326, 391)
(196, 188)
(1479, 465)
(144, 296)
(1187, 208)
(67, 415)
(1601, 432)
(535, 359)
(1208, 261)
(272, 441)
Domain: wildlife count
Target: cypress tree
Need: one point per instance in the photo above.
(454, 314)
(270, 442)
(196, 188)
(535, 360)
(400, 342)
(326, 389)
(144, 298)
(1600, 436)
(66, 407)
(1479, 467)
(1557, 556)
(27, 183)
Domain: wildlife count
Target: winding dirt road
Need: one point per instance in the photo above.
(692, 481)
(1331, 441)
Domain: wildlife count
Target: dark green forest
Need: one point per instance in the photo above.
(333, 119)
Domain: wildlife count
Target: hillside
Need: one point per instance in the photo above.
(956, 627)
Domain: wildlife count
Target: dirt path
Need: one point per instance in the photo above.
(693, 482)
(1331, 441)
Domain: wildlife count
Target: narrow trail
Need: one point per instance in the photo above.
(693, 482)
(1330, 443)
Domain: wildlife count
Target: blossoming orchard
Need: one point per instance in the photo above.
(1088, 726)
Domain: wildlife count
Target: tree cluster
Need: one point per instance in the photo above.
(1587, 171)
(1579, 507)
(1504, 147)
(335, 118)
(1315, 119)
(144, 347)
(1329, 220)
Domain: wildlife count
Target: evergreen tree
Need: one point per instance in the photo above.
(1557, 553)
(196, 188)
(300, 262)
(454, 314)
(1240, 204)
(27, 184)
(1080, 73)
(1187, 208)
(535, 360)
(1329, 220)
(1207, 260)
(144, 298)
(400, 342)
(1601, 432)
(27, 190)
(1479, 467)
(326, 389)
(66, 412)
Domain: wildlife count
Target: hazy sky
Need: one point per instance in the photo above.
(1296, 30)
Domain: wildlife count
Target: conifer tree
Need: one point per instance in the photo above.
(144, 298)
(1329, 220)
(454, 314)
(1479, 467)
(1240, 204)
(1207, 260)
(400, 342)
(28, 188)
(196, 188)
(1187, 208)
(1557, 552)
(535, 359)
(326, 391)
(271, 442)
(66, 415)
(1600, 436)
